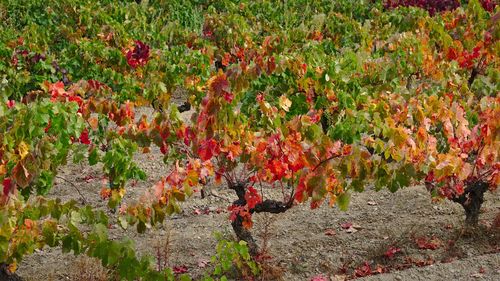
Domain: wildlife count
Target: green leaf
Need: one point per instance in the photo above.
(123, 222)
(141, 227)
(343, 201)
(93, 157)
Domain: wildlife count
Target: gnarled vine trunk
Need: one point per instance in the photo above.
(471, 200)
(269, 206)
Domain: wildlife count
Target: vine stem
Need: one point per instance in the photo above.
(76, 187)
(325, 160)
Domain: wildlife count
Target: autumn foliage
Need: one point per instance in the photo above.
(319, 111)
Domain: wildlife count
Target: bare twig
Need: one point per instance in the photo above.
(76, 187)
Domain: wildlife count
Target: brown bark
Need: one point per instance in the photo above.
(270, 206)
(471, 200)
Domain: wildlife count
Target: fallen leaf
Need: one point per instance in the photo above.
(422, 263)
(350, 227)
(203, 263)
(89, 178)
(180, 269)
(346, 225)
(330, 232)
(339, 277)
(428, 244)
(357, 226)
(380, 269)
(319, 278)
(351, 230)
(477, 275)
(391, 252)
(364, 270)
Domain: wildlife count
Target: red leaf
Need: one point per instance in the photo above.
(84, 137)
(228, 96)
(271, 65)
(76, 99)
(7, 186)
(427, 244)
(346, 225)
(391, 252)
(319, 278)
(105, 193)
(164, 148)
(226, 59)
(452, 54)
(252, 197)
(208, 149)
(277, 168)
(180, 269)
(48, 127)
(220, 86)
(364, 270)
(88, 178)
(11, 103)
(139, 55)
(346, 150)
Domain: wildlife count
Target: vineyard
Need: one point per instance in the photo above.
(249, 140)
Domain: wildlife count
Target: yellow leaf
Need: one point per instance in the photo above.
(23, 149)
(285, 103)
(330, 95)
(12, 267)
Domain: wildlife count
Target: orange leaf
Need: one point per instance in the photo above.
(28, 223)
(94, 123)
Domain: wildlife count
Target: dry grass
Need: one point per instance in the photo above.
(162, 250)
(86, 268)
(270, 270)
